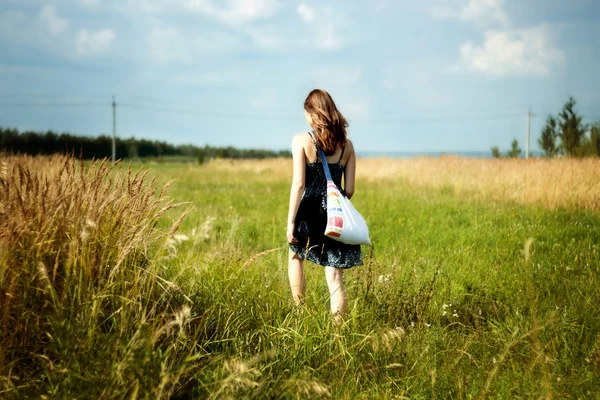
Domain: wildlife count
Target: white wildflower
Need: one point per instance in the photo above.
(204, 231)
(85, 234)
(180, 237)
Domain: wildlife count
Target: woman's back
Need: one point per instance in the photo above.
(315, 184)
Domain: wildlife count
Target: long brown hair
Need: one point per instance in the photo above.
(327, 121)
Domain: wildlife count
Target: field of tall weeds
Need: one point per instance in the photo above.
(566, 182)
(78, 293)
(170, 281)
(552, 183)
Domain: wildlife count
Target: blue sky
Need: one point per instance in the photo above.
(434, 75)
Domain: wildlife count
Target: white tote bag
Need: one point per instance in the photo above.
(344, 223)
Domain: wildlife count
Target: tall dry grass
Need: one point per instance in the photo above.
(74, 251)
(571, 183)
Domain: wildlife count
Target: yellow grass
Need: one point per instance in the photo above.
(73, 258)
(572, 183)
(551, 183)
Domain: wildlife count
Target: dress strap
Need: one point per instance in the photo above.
(315, 143)
(342, 155)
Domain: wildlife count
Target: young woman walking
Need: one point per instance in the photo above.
(307, 216)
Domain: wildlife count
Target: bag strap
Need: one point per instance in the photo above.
(325, 166)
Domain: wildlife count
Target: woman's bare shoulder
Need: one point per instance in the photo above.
(301, 138)
(303, 135)
(349, 146)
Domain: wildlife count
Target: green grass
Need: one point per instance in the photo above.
(448, 273)
(449, 303)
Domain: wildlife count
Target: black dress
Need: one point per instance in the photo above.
(311, 220)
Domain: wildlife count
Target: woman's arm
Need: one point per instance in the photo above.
(298, 178)
(349, 170)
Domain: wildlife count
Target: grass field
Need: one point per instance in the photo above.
(479, 285)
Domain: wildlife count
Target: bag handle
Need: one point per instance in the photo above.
(325, 166)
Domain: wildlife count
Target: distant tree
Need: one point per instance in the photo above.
(495, 152)
(595, 139)
(515, 151)
(48, 143)
(547, 140)
(220, 153)
(571, 129)
(132, 148)
(13, 141)
(9, 140)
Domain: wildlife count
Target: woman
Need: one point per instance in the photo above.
(307, 216)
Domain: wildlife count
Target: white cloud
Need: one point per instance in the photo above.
(321, 31)
(247, 19)
(484, 9)
(306, 12)
(93, 43)
(54, 24)
(513, 52)
(479, 12)
(234, 11)
(504, 51)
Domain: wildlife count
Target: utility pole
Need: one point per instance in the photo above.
(528, 130)
(114, 139)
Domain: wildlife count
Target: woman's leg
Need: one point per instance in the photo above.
(337, 291)
(296, 275)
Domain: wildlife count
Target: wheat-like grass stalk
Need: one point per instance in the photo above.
(74, 254)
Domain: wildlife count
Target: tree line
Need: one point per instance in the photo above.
(564, 134)
(13, 141)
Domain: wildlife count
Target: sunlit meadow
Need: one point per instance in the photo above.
(170, 281)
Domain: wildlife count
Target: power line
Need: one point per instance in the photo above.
(205, 113)
(546, 115)
(277, 117)
(41, 105)
(218, 114)
(371, 120)
(437, 119)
